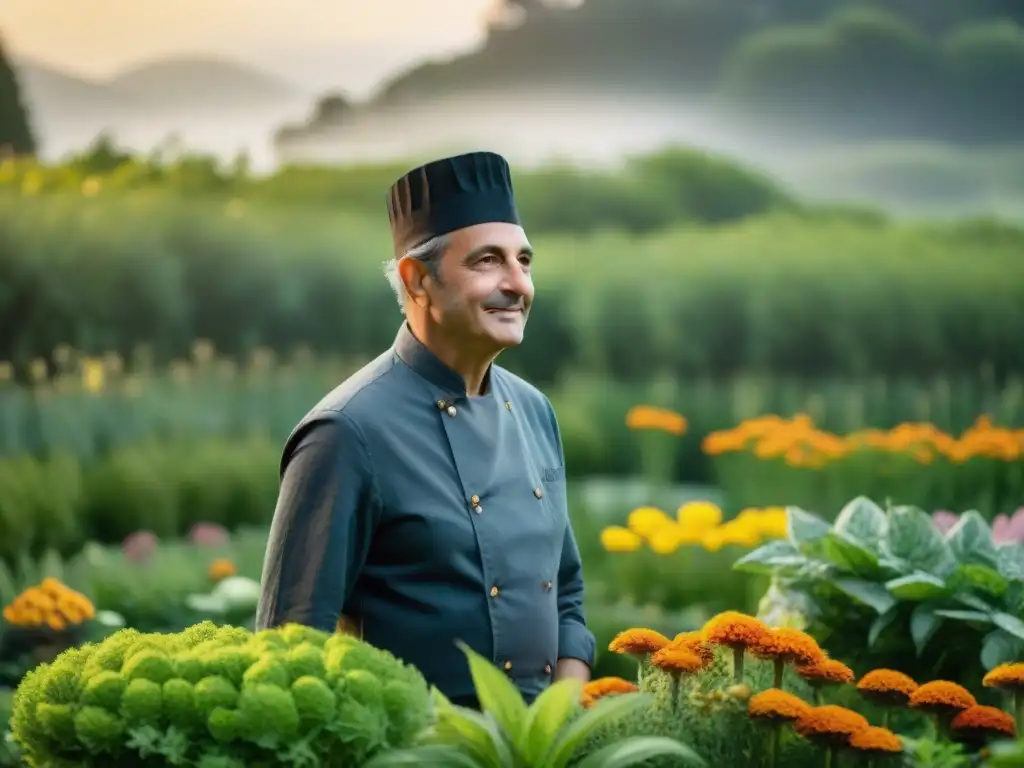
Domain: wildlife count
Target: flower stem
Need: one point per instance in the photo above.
(819, 696)
(737, 664)
(830, 758)
(1018, 708)
(885, 717)
(777, 676)
(675, 692)
(773, 746)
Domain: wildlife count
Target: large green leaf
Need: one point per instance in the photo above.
(869, 593)
(497, 694)
(474, 733)
(864, 521)
(978, 577)
(635, 750)
(1000, 647)
(605, 711)
(1010, 560)
(968, 617)
(923, 624)
(970, 540)
(882, 623)
(805, 530)
(431, 755)
(917, 586)
(775, 557)
(850, 555)
(913, 537)
(1009, 623)
(546, 717)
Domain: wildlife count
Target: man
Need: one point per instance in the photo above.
(423, 501)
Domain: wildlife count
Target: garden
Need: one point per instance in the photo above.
(798, 492)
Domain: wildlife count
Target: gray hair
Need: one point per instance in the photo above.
(428, 254)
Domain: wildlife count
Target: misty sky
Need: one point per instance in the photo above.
(314, 43)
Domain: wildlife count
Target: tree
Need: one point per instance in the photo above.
(15, 133)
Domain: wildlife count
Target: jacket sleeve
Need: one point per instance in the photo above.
(327, 508)
(575, 640)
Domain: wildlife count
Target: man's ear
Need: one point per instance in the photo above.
(414, 275)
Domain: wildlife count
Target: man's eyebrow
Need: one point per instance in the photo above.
(483, 250)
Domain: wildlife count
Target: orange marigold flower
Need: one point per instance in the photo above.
(887, 687)
(777, 706)
(734, 629)
(789, 645)
(979, 722)
(677, 661)
(221, 569)
(1005, 676)
(941, 696)
(876, 742)
(691, 641)
(603, 686)
(638, 642)
(830, 724)
(826, 671)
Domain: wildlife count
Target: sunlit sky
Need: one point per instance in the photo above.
(311, 42)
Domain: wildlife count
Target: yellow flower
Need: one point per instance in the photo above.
(615, 538)
(740, 532)
(699, 516)
(713, 540)
(644, 521)
(92, 375)
(666, 540)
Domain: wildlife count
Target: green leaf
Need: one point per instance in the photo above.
(474, 733)
(913, 537)
(882, 623)
(546, 717)
(497, 694)
(971, 617)
(970, 540)
(1010, 560)
(973, 602)
(1009, 623)
(774, 557)
(869, 593)
(432, 755)
(635, 750)
(917, 586)
(999, 647)
(863, 521)
(849, 554)
(923, 624)
(805, 529)
(979, 577)
(607, 710)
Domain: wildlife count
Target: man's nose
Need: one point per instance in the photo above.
(518, 282)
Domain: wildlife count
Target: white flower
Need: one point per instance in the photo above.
(110, 618)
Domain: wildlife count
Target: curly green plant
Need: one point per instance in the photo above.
(548, 734)
(219, 697)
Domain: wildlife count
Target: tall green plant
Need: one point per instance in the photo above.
(547, 734)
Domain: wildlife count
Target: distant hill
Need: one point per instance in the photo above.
(155, 89)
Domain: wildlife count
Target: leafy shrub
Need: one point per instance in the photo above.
(547, 734)
(879, 584)
(219, 696)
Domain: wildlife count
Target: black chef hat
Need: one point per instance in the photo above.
(450, 194)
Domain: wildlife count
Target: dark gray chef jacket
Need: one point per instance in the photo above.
(423, 515)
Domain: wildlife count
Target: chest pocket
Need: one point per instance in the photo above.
(555, 497)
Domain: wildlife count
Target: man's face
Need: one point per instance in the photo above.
(485, 289)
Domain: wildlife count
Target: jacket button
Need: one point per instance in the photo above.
(547, 586)
(451, 411)
(494, 591)
(547, 669)
(538, 493)
(508, 665)
(474, 500)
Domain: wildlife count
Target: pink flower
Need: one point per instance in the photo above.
(944, 519)
(1009, 528)
(139, 546)
(208, 535)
